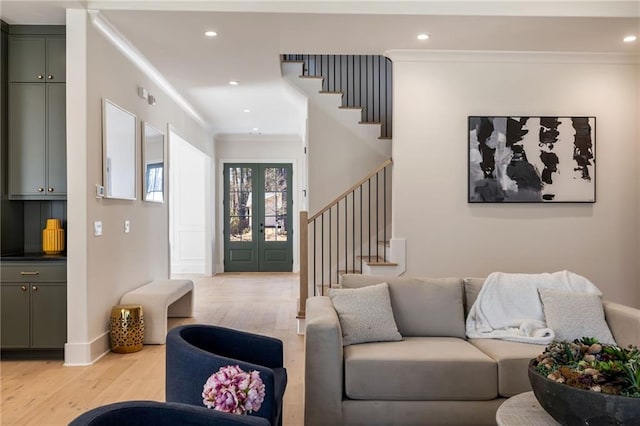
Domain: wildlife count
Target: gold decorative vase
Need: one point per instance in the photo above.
(53, 237)
(126, 328)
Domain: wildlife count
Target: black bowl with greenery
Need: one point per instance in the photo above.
(586, 383)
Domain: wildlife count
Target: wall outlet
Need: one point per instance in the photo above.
(97, 228)
(127, 226)
(99, 191)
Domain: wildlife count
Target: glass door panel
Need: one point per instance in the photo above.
(257, 220)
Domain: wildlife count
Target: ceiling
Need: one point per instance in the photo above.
(252, 35)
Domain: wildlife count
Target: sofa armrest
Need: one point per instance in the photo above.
(624, 322)
(323, 377)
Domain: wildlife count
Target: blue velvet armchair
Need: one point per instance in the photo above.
(146, 413)
(195, 352)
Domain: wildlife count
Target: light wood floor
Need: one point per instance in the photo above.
(47, 393)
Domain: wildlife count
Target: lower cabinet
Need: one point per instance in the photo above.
(33, 311)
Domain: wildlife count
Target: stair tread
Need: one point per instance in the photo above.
(382, 264)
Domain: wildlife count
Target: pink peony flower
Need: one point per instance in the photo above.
(234, 391)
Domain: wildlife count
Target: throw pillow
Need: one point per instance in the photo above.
(575, 315)
(421, 306)
(365, 314)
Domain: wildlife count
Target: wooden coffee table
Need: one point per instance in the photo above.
(523, 410)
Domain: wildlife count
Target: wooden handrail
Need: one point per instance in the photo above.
(304, 265)
(348, 191)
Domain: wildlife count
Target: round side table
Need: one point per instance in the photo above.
(126, 328)
(523, 409)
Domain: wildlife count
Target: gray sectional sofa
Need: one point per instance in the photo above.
(434, 375)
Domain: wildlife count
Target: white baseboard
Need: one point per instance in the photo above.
(79, 354)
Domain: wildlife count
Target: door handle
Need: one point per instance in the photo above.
(23, 288)
(34, 288)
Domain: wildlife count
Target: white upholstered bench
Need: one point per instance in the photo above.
(161, 299)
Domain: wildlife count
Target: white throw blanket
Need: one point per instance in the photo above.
(508, 306)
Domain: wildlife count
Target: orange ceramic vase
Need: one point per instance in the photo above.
(53, 237)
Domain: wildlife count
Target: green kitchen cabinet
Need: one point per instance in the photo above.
(34, 305)
(14, 321)
(37, 59)
(37, 117)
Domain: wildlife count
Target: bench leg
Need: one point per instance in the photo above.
(182, 307)
(155, 324)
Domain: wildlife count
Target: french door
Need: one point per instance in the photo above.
(257, 218)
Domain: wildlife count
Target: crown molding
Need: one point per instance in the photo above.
(495, 56)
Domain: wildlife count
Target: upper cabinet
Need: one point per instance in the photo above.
(37, 113)
(37, 59)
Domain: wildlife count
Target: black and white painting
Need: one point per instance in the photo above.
(532, 159)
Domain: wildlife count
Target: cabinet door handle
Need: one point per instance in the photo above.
(30, 273)
(50, 189)
(40, 77)
(49, 76)
(23, 288)
(34, 288)
(40, 189)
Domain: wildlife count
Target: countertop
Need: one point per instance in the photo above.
(36, 256)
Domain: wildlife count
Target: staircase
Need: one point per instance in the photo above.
(352, 233)
(364, 83)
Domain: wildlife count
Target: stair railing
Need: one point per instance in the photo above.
(351, 228)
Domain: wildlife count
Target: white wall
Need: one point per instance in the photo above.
(435, 92)
(259, 149)
(103, 268)
(338, 156)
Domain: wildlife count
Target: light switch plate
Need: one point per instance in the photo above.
(99, 191)
(97, 228)
(127, 226)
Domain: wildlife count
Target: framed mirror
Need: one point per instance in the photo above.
(118, 152)
(153, 149)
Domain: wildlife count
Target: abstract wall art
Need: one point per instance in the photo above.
(532, 159)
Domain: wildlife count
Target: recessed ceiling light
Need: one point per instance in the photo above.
(233, 83)
(246, 110)
(630, 38)
(255, 129)
(423, 36)
(210, 33)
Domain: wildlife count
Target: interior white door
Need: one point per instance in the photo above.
(187, 223)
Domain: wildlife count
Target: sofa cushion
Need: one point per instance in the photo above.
(472, 287)
(513, 361)
(575, 315)
(419, 368)
(365, 314)
(421, 306)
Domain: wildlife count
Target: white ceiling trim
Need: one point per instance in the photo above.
(410, 55)
(567, 8)
(128, 50)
